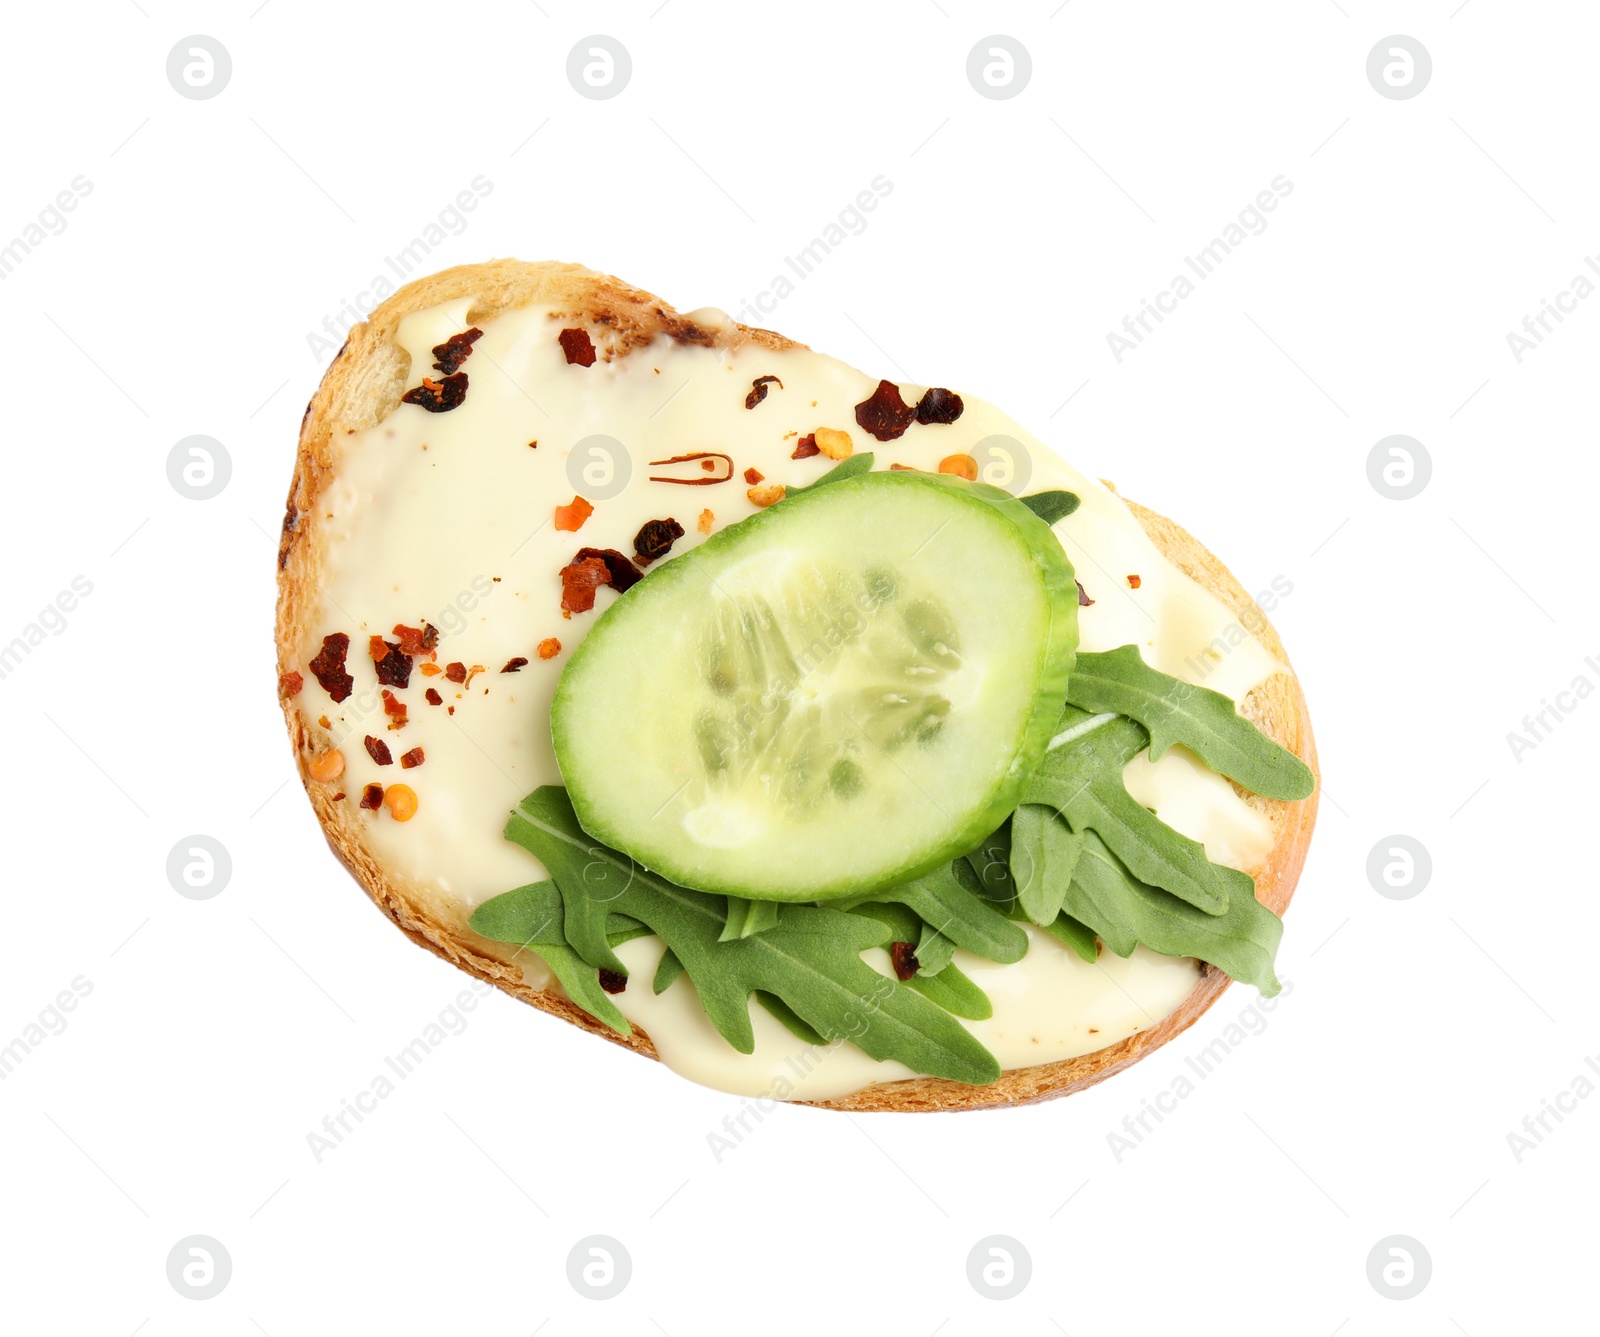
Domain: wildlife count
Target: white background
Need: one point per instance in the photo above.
(1417, 1034)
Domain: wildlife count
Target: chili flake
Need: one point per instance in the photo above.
(411, 759)
(939, 406)
(438, 396)
(455, 350)
(758, 390)
(393, 666)
(432, 697)
(884, 413)
(372, 798)
(570, 518)
(624, 575)
(328, 666)
(903, 956)
(655, 539)
(421, 640)
(289, 684)
(513, 665)
(578, 347)
(395, 709)
(549, 648)
(579, 580)
(378, 750)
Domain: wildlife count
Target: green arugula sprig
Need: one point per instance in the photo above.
(1051, 506)
(1125, 912)
(1081, 778)
(1205, 722)
(809, 961)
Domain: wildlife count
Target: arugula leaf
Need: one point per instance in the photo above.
(1051, 506)
(791, 1019)
(1204, 721)
(747, 917)
(1124, 911)
(581, 983)
(947, 900)
(811, 959)
(1081, 777)
(954, 992)
(846, 468)
(1044, 851)
(1076, 935)
(987, 870)
(934, 951)
(530, 916)
(667, 970)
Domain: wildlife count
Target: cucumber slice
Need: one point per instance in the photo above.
(834, 696)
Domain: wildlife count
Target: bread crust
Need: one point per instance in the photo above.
(363, 385)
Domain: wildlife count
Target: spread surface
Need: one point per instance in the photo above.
(449, 519)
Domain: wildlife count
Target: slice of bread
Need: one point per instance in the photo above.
(364, 385)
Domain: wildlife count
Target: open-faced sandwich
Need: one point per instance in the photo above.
(825, 737)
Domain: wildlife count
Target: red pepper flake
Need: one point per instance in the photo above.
(289, 684)
(578, 347)
(456, 672)
(884, 413)
(394, 667)
(472, 673)
(939, 406)
(612, 982)
(410, 760)
(1084, 601)
(549, 648)
(1134, 582)
(455, 350)
(372, 798)
(903, 956)
(709, 465)
(579, 580)
(438, 396)
(423, 640)
(624, 575)
(753, 476)
(323, 721)
(533, 445)
(758, 390)
(339, 797)
(432, 697)
(514, 665)
(806, 447)
(570, 518)
(430, 670)
(655, 539)
(395, 709)
(378, 750)
(328, 666)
